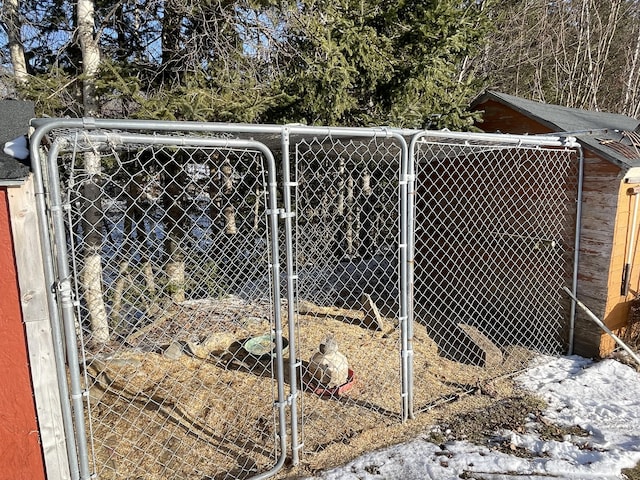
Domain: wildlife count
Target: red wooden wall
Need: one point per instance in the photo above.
(20, 452)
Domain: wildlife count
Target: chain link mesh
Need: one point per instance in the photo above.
(347, 204)
(182, 386)
(493, 247)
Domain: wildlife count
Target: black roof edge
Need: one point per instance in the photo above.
(585, 137)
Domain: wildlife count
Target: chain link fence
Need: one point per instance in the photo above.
(224, 312)
(169, 257)
(346, 244)
(494, 245)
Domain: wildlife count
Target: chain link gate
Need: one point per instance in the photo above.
(494, 243)
(194, 323)
(175, 352)
(347, 203)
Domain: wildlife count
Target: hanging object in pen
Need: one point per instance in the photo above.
(626, 271)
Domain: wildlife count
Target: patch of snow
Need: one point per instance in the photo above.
(603, 398)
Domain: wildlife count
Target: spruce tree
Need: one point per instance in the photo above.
(400, 63)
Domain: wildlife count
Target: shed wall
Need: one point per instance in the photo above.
(20, 455)
(598, 247)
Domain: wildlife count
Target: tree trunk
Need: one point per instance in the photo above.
(341, 187)
(92, 275)
(16, 48)
(256, 208)
(631, 102)
(350, 219)
(171, 25)
(229, 212)
(230, 227)
(90, 56)
(175, 214)
(145, 257)
(175, 267)
(366, 225)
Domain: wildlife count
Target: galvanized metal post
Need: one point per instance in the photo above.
(576, 249)
(294, 362)
(50, 278)
(67, 307)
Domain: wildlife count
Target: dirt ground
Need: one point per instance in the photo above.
(186, 400)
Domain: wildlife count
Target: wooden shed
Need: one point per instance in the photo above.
(33, 443)
(608, 235)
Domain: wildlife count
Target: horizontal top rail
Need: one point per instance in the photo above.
(303, 130)
(549, 140)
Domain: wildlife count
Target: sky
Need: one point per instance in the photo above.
(602, 398)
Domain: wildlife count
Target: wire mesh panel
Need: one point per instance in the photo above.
(346, 254)
(169, 256)
(494, 240)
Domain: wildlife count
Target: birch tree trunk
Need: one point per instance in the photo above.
(366, 226)
(16, 48)
(229, 212)
(350, 219)
(90, 55)
(580, 53)
(145, 256)
(91, 275)
(175, 266)
(92, 216)
(631, 102)
(258, 201)
(341, 186)
(175, 214)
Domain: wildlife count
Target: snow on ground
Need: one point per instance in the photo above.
(603, 398)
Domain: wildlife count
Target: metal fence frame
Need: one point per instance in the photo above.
(64, 289)
(57, 275)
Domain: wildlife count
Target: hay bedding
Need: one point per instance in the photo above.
(213, 418)
(180, 415)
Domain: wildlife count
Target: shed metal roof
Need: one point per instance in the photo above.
(601, 132)
(14, 121)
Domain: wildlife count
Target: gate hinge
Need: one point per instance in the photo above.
(277, 211)
(82, 394)
(62, 285)
(284, 214)
(407, 353)
(285, 403)
(406, 178)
